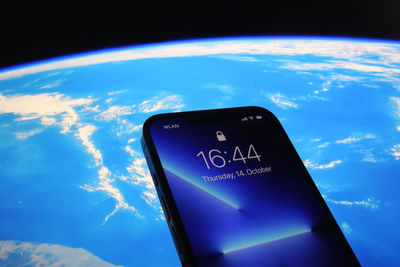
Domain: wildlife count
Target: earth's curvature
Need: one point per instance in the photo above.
(74, 185)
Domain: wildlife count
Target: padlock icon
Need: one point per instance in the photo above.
(220, 136)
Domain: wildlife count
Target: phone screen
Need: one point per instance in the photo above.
(244, 196)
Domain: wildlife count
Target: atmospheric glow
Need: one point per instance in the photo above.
(232, 49)
(260, 240)
(209, 191)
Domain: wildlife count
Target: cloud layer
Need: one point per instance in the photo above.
(51, 108)
(340, 50)
(54, 109)
(17, 253)
(369, 203)
(315, 166)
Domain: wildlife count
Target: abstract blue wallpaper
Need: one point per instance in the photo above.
(246, 199)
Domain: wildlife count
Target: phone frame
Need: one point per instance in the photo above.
(164, 193)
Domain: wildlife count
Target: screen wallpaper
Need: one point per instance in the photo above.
(244, 195)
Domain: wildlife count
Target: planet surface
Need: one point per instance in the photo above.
(74, 184)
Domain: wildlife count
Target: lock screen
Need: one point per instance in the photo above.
(244, 196)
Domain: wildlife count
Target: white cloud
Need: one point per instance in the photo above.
(105, 184)
(118, 92)
(348, 140)
(355, 139)
(58, 109)
(91, 109)
(131, 140)
(338, 64)
(239, 58)
(323, 145)
(282, 101)
(48, 255)
(369, 155)
(53, 84)
(322, 90)
(114, 112)
(48, 121)
(369, 158)
(328, 82)
(25, 135)
(150, 198)
(104, 175)
(395, 151)
(346, 78)
(138, 174)
(396, 100)
(326, 188)
(7, 247)
(369, 203)
(345, 50)
(371, 85)
(346, 228)
(125, 127)
(131, 152)
(83, 134)
(173, 102)
(222, 87)
(319, 98)
(315, 140)
(315, 166)
(46, 106)
(369, 136)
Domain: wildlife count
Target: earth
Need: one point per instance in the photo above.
(74, 185)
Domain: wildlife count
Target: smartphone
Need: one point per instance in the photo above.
(235, 192)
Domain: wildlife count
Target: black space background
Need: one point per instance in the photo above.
(24, 39)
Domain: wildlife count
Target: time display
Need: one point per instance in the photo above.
(216, 158)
